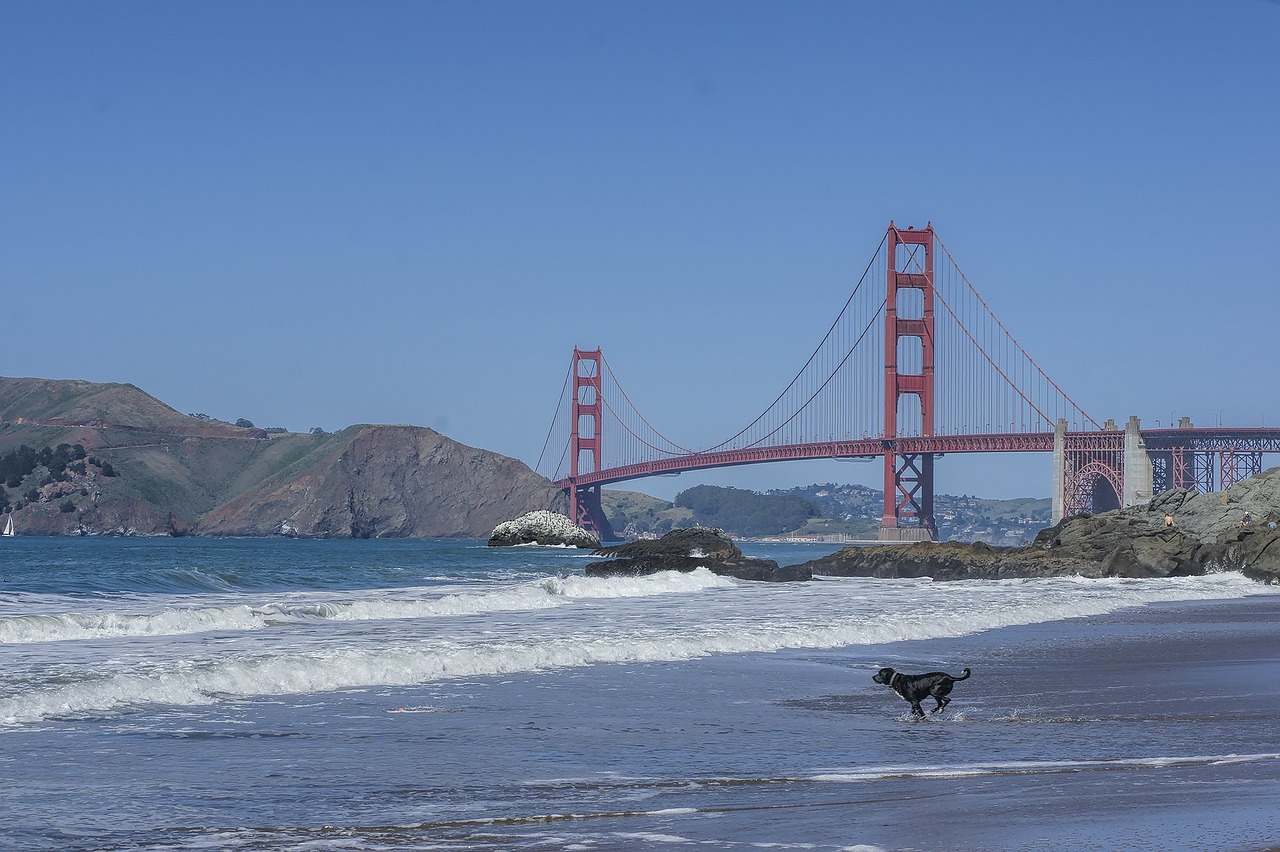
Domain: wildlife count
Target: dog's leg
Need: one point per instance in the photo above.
(916, 709)
(943, 701)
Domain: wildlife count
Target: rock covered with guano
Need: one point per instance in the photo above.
(542, 527)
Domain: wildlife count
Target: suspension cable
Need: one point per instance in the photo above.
(1010, 337)
(564, 390)
(800, 374)
(622, 391)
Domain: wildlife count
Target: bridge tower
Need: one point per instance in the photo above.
(908, 331)
(584, 442)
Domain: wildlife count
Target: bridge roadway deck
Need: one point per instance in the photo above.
(1248, 439)
(864, 448)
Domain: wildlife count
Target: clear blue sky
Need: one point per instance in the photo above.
(318, 214)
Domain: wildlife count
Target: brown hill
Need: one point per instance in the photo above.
(178, 474)
(387, 481)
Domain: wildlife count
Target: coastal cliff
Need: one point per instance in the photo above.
(151, 470)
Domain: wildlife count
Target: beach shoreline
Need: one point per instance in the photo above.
(1161, 721)
(641, 715)
(1149, 728)
(1134, 679)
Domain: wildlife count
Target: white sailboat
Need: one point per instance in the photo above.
(8, 525)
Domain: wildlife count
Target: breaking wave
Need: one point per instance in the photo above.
(196, 615)
(537, 627)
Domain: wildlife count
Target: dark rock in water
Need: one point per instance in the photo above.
(687, 549)
(542, 527)
(1179, 533)
(1253, 551)
(947, 560)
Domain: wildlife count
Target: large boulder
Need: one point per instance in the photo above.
(686, 550)
(542, 527)
(1253, 550)
(1122, 543)
(1160, 553)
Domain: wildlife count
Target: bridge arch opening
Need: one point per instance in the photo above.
(1103, 496)
(1096, 488)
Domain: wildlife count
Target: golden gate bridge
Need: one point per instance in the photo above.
(915, 366)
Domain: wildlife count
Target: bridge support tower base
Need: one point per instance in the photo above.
(908, 496)
(586, 510)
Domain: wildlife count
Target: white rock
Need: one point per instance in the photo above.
(542, 527)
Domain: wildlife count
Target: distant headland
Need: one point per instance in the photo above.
(143, 468)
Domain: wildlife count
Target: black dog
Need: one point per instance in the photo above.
(916, 688)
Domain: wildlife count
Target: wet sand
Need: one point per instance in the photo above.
(1155, 728)
(1166, 719)
(1149, 729)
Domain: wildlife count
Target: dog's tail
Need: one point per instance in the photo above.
(963, 676)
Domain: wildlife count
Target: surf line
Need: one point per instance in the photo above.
(1050, 768)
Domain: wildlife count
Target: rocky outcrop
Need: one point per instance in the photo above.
(686, 550)
(542, 527)
(1179, 533)
(949, 560)
(109, 516)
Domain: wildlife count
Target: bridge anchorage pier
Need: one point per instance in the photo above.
(587, 511)
(1114, 468)
(908, 485)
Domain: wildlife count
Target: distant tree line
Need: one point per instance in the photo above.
(19, 463)
(60, 461)
(741, 512)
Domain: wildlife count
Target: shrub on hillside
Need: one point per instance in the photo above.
(742, 512)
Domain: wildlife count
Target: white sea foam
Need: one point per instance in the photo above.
(1037, 767)
(23, 629)
(551, 624)
(188, 617)
(664, 582)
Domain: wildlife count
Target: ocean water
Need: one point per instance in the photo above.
(183, 694)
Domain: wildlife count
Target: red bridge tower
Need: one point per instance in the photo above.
(584, 442)
(908, 335)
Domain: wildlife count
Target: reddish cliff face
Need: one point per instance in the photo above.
(387, 482)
